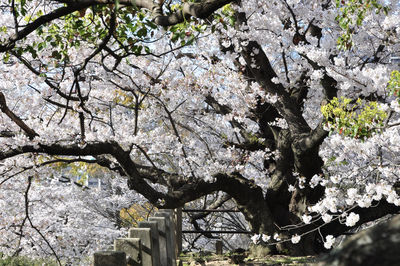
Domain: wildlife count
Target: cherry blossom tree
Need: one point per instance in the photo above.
(184, 99)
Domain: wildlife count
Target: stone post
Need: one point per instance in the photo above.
(171, 245)
(132, 248)
(162, 240)
(178, 230)
(146, 244)
(109, 258)
(154, 238)
(218, 247)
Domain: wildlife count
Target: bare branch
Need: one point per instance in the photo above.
(30, 221)
(4, 108)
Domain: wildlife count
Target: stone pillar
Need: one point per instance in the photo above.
(178, 230)
(146, 244)
(171, 245)
(132, 248)
(218, 247)
(154, 238)
(162, 240)
(109, 258)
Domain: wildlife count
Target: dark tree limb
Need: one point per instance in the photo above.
(42, 20)
(201, 9)
(263, 74)
(4, 108)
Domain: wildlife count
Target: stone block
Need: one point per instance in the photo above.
(165, 258)
(146, 244)
(154, 238)
(109, 258)
(132, 248)
(218, 247)
(170, 230)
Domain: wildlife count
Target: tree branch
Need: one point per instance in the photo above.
(4, 108)
(30, 221)
(28, 29)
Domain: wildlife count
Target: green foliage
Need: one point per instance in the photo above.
(134, 30)
(351, 14)
(90, 26)
(24, 261)
(226, 17)
(186, 32)
(357, 120)
(394, 84)
(20, 7)
(60, 37)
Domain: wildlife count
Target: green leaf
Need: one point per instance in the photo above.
(174, 37)
(142, 32)
(6, 57)
(56, 55)
(151, 24)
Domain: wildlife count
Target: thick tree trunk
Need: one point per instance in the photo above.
(271, 213)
